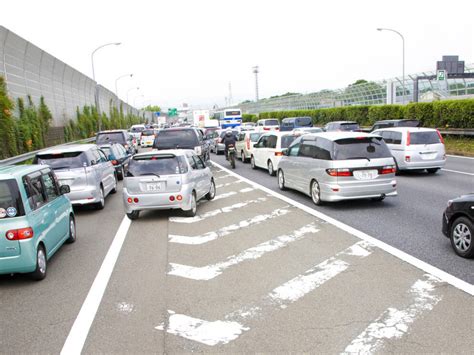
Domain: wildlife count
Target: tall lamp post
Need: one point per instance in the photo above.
(96, 96)
(128, 92)
(403, 57)
(120, 77)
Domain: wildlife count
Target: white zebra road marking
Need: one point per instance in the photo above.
(213, 213)
(394, 323)
(232, 193)
(228, 184)
(225, 331)
(209, 272)
(210, 236)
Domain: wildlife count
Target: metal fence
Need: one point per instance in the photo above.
(371, 93)
(28, 70)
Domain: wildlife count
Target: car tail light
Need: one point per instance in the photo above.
(179, 197)
(171, 198)
(129, 200)
(339, 172)
(278, 154)
(136, 200)
(20, 234)
(277, 128)
(114, 162)
(407, 158)
(266, 128)
(247, 142)
(408, 139)
(440, 136)
(389, 169)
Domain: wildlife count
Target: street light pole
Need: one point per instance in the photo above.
(403, 58)
(128, 92)
(120, 77)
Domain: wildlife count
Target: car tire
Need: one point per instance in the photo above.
(315, 193)
(397, 169)
(212, 191)
(252, 162)
(242, 157)
(378, 199)
(114, 190)
(271, 170)
(461, 235)
(121, 174)
(133, 215)
(432, 171)
(72, 230)
(192, 212)
(281, 180)
(101, 204)
(41, 264)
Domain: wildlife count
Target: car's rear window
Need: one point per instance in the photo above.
(430, 137)
(137, 129)
(349, 126)
(116, 137)
(303, 121)
(360, 148)
(57, 161)
(410, 123)
(148, 132)
(167, 164)
(11, 204)
(272, 123)
(255, 136)
(173, 139)
(287, 140)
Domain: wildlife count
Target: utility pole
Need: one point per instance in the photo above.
(230, 94)
(255, 71)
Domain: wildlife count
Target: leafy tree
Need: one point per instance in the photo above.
(152, 108)
(8, 138)
(45, 117)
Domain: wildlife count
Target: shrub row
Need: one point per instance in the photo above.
(448, 113)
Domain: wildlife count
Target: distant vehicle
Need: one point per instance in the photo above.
(85, 169)
(136, 131)
(458, 225)
(244, 144)
(36, 218)
(306, 130)
(201, 119)
(218, 145)
(248, 125)
(415, 148)
(395, 123)
(342, 126)
(338, 166)
(118, 136)
(119, 157)
(147, 138)
(229, 118)
(183, 138)
(167, 179)
(290, 123)
(268, 124)
(268, 150)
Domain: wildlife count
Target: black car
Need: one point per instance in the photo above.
(119, 157)
(395, 123)
(183, 138)
(342, 126)
(116, 136)
(458, 225)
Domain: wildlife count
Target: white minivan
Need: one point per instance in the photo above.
(415, 148)
(267, 152)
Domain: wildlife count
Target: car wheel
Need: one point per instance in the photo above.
(133, 215)
(378, 199)
(281, 180)
(121, 173)
(212, 191)
(462, 232)
(252, 162)
(397, 170)
(114, 190)
(432, 171)
(192, 211)
(242, 157)
(41, 264)
(271, 171)
(101, 204)
(72, 230)
(316, 193)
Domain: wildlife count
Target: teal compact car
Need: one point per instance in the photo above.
(36, 219)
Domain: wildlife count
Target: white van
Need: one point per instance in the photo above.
(268, 124)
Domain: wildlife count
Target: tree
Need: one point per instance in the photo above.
(45, 118)
(153, 108)
(7, 124)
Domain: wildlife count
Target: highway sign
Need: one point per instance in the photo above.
(441, 75)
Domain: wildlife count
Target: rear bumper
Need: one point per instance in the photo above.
(430, 164)
(88, 195)
(352, 191)
(23, 263)
(158, 201)
(220, 147)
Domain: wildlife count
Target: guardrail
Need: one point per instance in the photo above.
(458, 132)
(30, 155)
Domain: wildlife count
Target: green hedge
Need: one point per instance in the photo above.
(446, 114)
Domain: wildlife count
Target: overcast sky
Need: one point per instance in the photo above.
(188, 51)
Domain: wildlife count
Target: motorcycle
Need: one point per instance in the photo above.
(231, 156)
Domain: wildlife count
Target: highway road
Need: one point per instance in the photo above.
(410, 222)
(251, 273)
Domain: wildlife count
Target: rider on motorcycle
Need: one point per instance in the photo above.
(229, 139)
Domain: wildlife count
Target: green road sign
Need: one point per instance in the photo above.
(441, 75)
(172, 112)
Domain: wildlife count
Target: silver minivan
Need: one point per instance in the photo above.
(85, 168)
(338, 166)
(415, 148)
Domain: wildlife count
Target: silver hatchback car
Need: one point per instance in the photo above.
(166, 179)
(85, 168)
(338, 166)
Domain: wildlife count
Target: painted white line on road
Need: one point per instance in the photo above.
(457, 172)
(394, 323)
(80, 329)
(209, 272)
(459, 156)
(215, 212)
(228, 184)
(225, 195)
(207, 237)
(222, 176)
(224, 331)
(444, 276)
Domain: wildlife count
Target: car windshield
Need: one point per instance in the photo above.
(170, 139)
(349, 126)
(287, 140)
(360, 148)
(11, 204)
(430, 137)
(155, 165)
(272, 123)
(148, 132)
(255, 136)
(116, 137)
(69, 160)
(137, 129)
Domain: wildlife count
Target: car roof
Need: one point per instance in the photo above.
(407, 129)
(334, 136)
(176, 152)
(278, 133)
(340, 122)
(112, 131)
(15, 171)
(68, 148)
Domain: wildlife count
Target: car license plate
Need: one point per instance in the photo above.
(365, 174)
(428, 155)
(154, 187)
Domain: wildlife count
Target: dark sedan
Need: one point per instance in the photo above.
(458, 224)
(119, 157)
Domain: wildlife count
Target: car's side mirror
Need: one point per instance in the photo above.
(93, 162)
(284, 152)
(64, 189)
